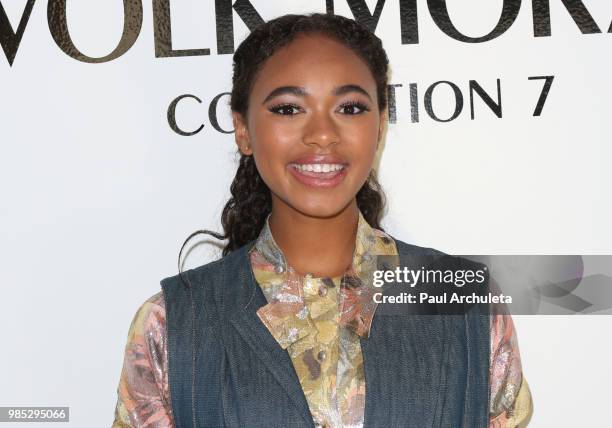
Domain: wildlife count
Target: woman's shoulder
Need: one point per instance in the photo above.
(154, 303)
(156, 300)
(433, 255)
(412, 249)
(216, 268)
(150, 317)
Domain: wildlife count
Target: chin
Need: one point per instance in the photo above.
(321, 209)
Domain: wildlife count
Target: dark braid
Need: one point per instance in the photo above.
(245, 212)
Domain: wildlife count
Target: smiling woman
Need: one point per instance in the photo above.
(282, 330)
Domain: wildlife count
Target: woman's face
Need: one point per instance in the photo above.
(313, 125)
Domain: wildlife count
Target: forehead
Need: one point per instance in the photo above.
(315, 62)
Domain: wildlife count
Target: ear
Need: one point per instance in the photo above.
(381, 127)
(241, 134)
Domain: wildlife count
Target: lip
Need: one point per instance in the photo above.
(320, 159)
(320, 180)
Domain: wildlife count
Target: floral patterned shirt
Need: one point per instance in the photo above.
(319, 321)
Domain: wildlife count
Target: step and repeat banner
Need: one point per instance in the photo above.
(117, 143)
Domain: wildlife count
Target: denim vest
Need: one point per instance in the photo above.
(225, 369)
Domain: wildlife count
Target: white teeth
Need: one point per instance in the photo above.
(319, 167)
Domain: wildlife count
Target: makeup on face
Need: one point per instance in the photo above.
(314, 125)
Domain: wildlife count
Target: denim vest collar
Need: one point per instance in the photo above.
(421, 371)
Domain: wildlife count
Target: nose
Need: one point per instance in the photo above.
(321, 130)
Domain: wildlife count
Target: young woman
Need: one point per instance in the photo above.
(281, 331)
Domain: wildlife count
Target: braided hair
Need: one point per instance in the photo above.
(245, 212)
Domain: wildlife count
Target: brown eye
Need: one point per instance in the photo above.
(354, 107)
(284, 109)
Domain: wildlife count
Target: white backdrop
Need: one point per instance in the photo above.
(98, 192)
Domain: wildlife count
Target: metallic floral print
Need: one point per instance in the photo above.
(321, 334)
(510, 403)
(143, 392)
(319, 322)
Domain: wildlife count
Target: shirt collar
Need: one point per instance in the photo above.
(286, 315)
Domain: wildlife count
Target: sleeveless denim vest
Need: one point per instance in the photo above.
(225, 369)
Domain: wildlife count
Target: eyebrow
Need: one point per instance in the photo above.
(301, 92)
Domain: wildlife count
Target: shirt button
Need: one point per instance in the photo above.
(321, 356)
(279, 269)
(360, 320)
(322, 291)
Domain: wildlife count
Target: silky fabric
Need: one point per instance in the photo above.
(305, 323)
(320, 320)
(226, 369)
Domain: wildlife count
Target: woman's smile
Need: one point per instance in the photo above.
(319, 170)
(314, 125)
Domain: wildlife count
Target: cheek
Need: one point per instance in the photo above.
(272, 135)
(271, 151)
(363, 142)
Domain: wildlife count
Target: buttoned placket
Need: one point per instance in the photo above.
(311, 340)
(318, 297)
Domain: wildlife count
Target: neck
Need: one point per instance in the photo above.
(315, 245)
